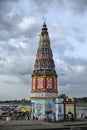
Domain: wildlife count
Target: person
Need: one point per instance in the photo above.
(8, 118)
(52, 117)
(8, 113)
(0, 113)
(33, 117)
(69, 116)
(36, 117)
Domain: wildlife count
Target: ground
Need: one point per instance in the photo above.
(41, 125)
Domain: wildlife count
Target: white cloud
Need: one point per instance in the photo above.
(27, 24)
(20, 25)
(79, 69)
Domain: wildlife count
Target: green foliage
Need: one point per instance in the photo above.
(83, 99)
(63, 96)
(81, 102)
(22, 102)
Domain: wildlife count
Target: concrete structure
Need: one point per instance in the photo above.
(59, 109)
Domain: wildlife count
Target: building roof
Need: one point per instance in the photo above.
(44, 63)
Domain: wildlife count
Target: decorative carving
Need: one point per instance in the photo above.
(49, 83)
(40, 83)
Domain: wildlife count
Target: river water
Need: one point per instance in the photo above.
(81, 110)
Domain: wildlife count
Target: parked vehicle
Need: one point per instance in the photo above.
(23, 113)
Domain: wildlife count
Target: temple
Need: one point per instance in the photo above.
(44, 90)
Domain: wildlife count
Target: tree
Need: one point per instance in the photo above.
(63, 96)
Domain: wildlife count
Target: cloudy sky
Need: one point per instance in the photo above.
(20, 25)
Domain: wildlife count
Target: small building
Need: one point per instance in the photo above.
(63, 109)
(69, 108)
(59, 109)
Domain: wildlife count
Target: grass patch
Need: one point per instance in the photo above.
(81, 104)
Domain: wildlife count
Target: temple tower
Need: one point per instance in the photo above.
(44, 78)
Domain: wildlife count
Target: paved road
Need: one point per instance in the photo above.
(41, 125)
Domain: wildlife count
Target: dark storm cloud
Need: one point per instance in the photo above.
(78, 6)
(45, 6)
(72, 78)
(77, 31)
(9, 48)
(7, 7)
(46, 3)
(14, 54)
(16, 64)
(60, 46)
(75, 61)
(11, 16)
(72, 72)
(8, 18)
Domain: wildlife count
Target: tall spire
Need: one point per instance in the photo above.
(44, 77)
(44, 63)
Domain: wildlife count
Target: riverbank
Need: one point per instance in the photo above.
(41, 125)
(78, 104)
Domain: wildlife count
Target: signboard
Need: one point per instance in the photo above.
(69, 108)
(32, 103)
